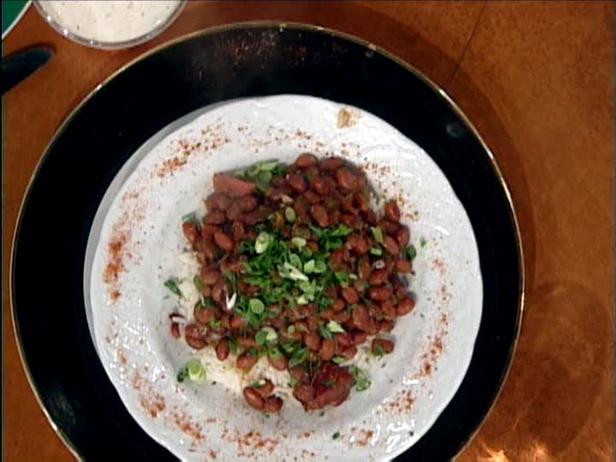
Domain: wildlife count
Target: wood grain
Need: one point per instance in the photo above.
(536, 80)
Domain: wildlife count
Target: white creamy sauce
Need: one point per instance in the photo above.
(110, 20)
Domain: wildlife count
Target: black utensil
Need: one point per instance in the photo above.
(20, 65)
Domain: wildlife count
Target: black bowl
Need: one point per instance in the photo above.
(243, 60)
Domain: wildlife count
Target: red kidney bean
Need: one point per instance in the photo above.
(234, 212)
(391, 245)
(237, 321)
(392, 212)
(313, 245)
(246, 361)
(297, 183)
(210, 276)
(226, 184)
(253, 398)
(347, 219)
(370, 217)
(218, 201)
(301, 211)
(331, 163)
(205, 315)
(405, 306)
(361, 318)
(223, 241)
(222, 349)
(349, 352)
(312, 198)
(389, 227)
(303, 392)
(380, 294)
(313, 323)
(403, 266)
(191, 232)
(273, 404)
(218, 292)
(388, 309)
(336, 258)
(341, 316)
(328, 349)
(364, 269)
(359, 337)
(385, 345)
(386, 325)
(338, 305)
(265, 389)
(403, 236)
(299, 373)
(350, 295)
(247, 203)
(278, 362)
(246, 342)
(175, 330)
(209, 230)
(346, 179)
(215, 217)
(256, 216)
(195, 336)
(379, 277)
(319, 214)
(312, 341)
(361, 201)
(306, 160)
(321, 186)
(344, 339)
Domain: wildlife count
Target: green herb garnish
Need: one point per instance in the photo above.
(172, 285)
(362, 382)
(298, 357)
(377, 234)
(410, 252)
(193, 370)
(334, 327)
(338, 360)
(336, 435)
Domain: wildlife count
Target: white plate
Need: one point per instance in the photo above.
(136, 242)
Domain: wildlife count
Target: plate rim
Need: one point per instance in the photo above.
(263, 24)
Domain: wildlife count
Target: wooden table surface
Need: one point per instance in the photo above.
(537, 80)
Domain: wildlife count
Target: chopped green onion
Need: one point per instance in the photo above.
(207, 302)
(376, 251)
(309, 265)
(190, 218)
(193, 370)
(334, 327)
(338, 360)
(302, 300)
(263, 242)
(266, 335)
(298, 357)
(319, 267)
(198, 282)
(378, 351)
(362, 382)
(172, 285)
(295, 260)
(289, 271)
(377, 234)
(298, 242)
(325, 333)
(256, 306)
(268, 166)
(290, 214)
(410, 252)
